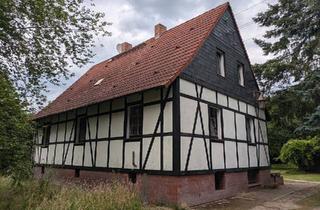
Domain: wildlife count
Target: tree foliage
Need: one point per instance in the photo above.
(40, 40)
(291, 78)
(15, 133)
(305, 154)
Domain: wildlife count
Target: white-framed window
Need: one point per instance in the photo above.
(241, 74)
(80, 136)
(250, 130)
(134, 120)
(221, 63)
(215, 128)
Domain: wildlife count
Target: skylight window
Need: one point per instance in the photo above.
(98, 82)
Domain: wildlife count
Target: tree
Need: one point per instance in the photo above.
(15, 133)
(40, 40)
(291, 78)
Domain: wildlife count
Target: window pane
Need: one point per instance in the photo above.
(135, 120)
(213, 122)
(240, 74)
(220, 66)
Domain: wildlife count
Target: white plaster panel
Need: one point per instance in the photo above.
(152, 95)
(167, 117)
(243, 155)
(184, 147)
(167, 153)
(103, 127)
(115, 154)
(102, 154)
(39, 136)
(117, 124)
(217, 156)
(252, 110)
(150, 118)
(233, 103)
(91, 128)
(205, 120)
(61, 131)
(153, 162)
(263, 131)
(262, 114)
(257, 131)
(231, 155)
(53, 133)
(187, 114)
(70, 131)
(264, 154)
(209, 95)
(253, 156)
(68, 153)
(228, 124)
(36, 154)
(51, 153)
(89, 153)
(44, 152)
(132, 155)
(198, 158)
(241, 126)
(77, 156)
(242, 107)
(59, 154)
(165, 92)
(188, 88)
(222, 99)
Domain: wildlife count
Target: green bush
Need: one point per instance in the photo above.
(302, 153)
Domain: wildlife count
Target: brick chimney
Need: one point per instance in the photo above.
(123, 47)
(158, 30)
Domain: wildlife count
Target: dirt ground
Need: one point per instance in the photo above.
(292, 195)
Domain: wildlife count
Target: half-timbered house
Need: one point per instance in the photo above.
(178, 115)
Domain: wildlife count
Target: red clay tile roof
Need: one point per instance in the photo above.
(154, 63)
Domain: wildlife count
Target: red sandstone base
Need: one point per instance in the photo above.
(189, 189)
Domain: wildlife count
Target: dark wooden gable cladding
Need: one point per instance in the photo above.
(203, 70)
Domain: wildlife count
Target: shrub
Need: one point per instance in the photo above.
(302, 153)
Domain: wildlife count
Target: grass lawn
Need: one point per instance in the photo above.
(293, 173)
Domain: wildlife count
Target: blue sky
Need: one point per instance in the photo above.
(133, 21)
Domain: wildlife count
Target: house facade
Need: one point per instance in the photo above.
(177, 116)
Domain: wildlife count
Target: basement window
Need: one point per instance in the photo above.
(219, 180)
(253, 176)
(81, 130)
(46, 135)
(220, 63)
(134, 121)
(215, 123)
(240, 74)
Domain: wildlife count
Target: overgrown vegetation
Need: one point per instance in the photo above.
(42, 194)
(291, 79)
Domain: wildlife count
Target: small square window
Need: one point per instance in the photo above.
(80, 136)
(240, 74)
(46, 135)
(135, 120)
(215, 122)
(219, 180)
(221, 63)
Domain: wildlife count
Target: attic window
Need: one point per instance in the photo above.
(98, 82)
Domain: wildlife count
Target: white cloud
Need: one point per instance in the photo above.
(133, 21)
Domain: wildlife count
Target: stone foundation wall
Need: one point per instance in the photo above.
(188, 189)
